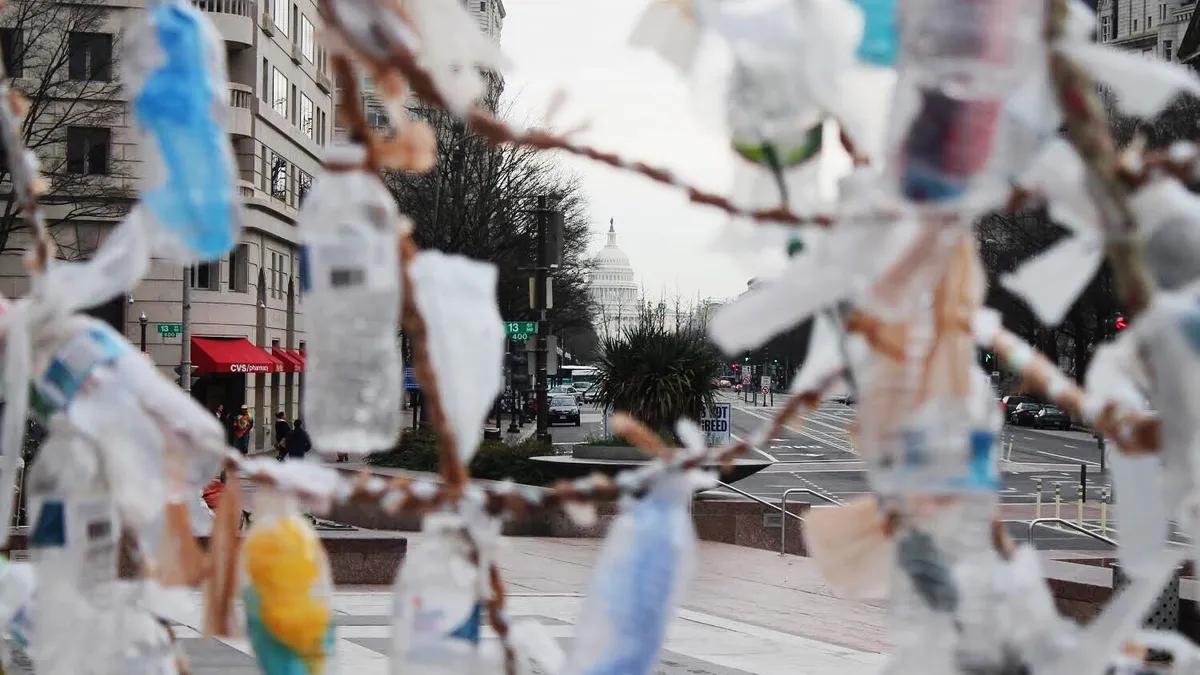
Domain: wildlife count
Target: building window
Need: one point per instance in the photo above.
(278, 177)
(303, 185)
(308, 43)
(1135, 24)
(377, 117)
(292, 104)
(295, 21)
(89, 57)
(13, 42)
(282, 277)
(321, 127)
(206, 276)
(1162, 12)
(307, 123)
(1167, 50)
(239, 268)
(279, 93)
(274, 266)
(87, 150)
(279, 15)
(1149, 22)
(266, 82)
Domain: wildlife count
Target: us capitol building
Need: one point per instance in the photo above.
(613, 288)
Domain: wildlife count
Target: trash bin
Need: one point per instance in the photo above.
(491, 434)
(1164, 613)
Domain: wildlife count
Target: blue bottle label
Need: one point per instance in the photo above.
(71, 366)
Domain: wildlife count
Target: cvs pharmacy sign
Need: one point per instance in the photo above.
(248, 368)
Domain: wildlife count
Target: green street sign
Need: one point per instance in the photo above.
(170, 329)
(520, 330)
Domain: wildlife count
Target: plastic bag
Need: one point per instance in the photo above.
(17, 586)
(457, 298)
(438, 616)
(176, 71)
(287, 591)
(638, 579)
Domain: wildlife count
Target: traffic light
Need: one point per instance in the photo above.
(179, 373)
(1119, 322)
(518, 361)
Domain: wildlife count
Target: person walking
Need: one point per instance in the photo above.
(282, 429)
(242, 425)
(298, 443)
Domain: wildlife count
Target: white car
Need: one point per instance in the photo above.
(564, 391)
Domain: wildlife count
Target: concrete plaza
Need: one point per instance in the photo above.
(746, 611)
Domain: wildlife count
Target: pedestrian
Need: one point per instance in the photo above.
(282, 429)
(242, 426)
(298, 443)
(220, 412)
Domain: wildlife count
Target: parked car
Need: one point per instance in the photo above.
(564, 409)
(589, 395)
(1011, 403)
(724, 384)
(564, 390)
(1051, 417)
(1024, 414)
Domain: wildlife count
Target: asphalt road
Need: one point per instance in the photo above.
(818, 454)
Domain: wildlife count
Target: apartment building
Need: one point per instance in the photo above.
(246, 311)
(1152, 27)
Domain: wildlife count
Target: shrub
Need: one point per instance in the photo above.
(495, 460)
(658, 375)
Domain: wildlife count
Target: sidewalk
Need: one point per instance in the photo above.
(746, 612)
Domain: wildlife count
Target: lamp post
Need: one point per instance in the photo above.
(142, 320)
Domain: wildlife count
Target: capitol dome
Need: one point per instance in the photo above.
(613, 288)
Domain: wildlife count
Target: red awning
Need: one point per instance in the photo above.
(290, 364)
(232, 355)
(300, 358)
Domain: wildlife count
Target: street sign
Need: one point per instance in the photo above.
(746, 378)
(716, 423)
(410, 379)
(551, 355)
(765, 383)
(520, 330)
(169, 329)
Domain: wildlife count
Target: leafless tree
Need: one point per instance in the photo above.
(61, 57)
(479, 201)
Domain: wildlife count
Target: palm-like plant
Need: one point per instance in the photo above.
(657, 375)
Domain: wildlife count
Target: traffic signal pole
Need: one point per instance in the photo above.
(541, 276)
(185, 331)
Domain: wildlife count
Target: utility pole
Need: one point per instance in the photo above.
(185, 330)
(542, 276)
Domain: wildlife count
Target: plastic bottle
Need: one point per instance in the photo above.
(438, 616)
(350, 278)
(16, 598)
(880, 43)
(960, 59)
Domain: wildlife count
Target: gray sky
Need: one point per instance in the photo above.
(641, 108)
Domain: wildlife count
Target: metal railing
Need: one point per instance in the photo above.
(760, 500)
(1069, 525)
(237, 7)
(783, 507)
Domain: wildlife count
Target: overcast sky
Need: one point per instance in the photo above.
(641, 108)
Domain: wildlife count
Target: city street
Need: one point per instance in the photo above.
(817, 454)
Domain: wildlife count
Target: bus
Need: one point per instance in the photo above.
(577, 375)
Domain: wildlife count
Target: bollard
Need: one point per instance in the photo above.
(1079, 510)
(1037, 509)
(1058, 501)
(1083, 482)
(1104, 512)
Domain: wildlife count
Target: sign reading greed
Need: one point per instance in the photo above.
(248, 368)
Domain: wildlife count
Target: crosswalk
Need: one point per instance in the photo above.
(697, 643)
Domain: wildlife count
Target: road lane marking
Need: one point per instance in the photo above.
(761, 452)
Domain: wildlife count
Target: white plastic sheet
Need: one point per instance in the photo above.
(457, 298)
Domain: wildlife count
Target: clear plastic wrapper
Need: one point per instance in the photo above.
(351, 279)
(288, 591)
(638, 579)
(438, 613)
(1169, 217)
(457, 298)
(176, 70)
(17, 586)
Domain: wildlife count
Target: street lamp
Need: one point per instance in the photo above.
(142, 320)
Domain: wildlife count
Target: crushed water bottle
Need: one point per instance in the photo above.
(959, 60)
(351, 280)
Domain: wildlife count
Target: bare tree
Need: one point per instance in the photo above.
(61, 57)
(479, 200)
